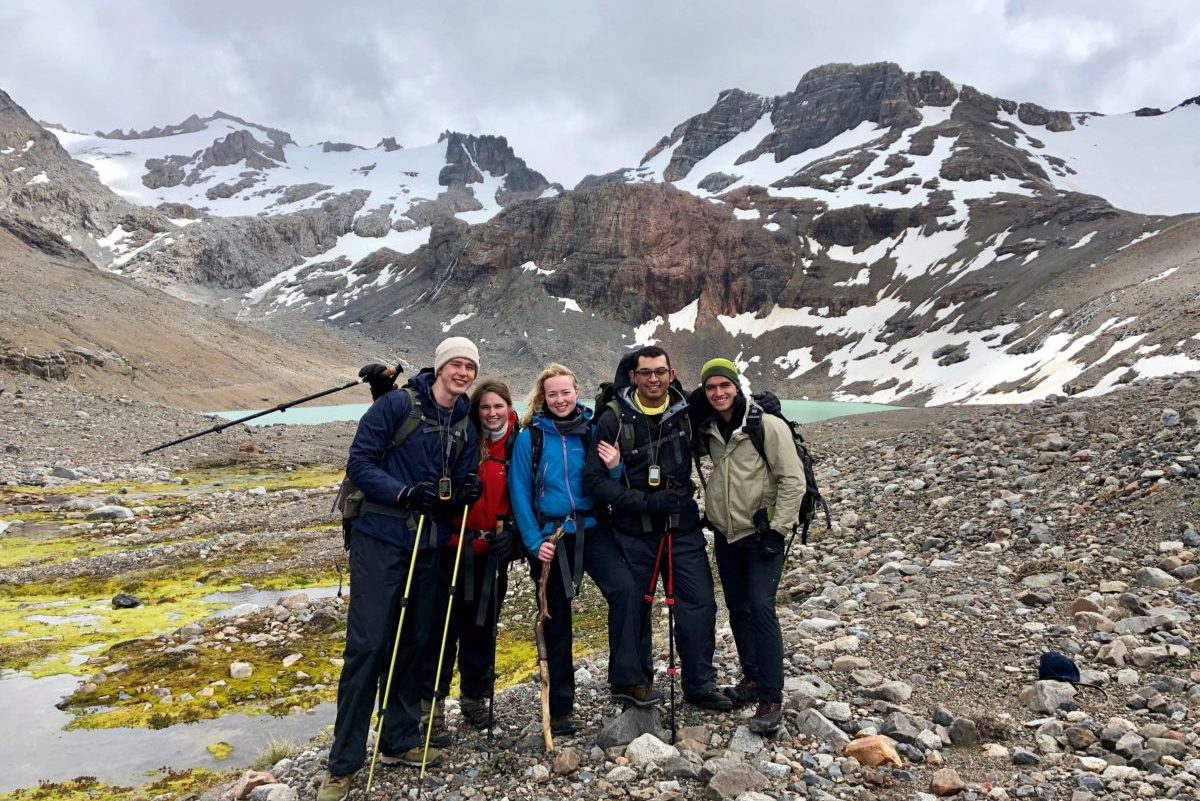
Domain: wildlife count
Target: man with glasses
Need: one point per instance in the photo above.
(648, 420)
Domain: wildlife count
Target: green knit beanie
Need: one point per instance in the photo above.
(721, 367)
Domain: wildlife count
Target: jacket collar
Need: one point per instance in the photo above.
(546, 423)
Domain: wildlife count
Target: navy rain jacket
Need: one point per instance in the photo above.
(380, 471)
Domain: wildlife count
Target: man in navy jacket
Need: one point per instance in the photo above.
(401, 485)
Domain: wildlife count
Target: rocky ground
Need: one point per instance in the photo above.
(966, 543)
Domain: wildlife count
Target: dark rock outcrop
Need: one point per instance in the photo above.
(467, 154)
(735, 112)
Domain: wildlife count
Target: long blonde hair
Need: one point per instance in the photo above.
(537, 396)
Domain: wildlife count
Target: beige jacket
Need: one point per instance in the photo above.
(741, 483)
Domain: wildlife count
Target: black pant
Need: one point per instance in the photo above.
(378, 571)
(472, 643)
(695, 604)
(605, 562)
(750, 583)
(557, 630)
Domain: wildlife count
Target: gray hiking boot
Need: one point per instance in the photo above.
(474, 712)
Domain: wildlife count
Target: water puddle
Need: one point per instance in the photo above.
(63, 620)
(240, 601)
(44, 751)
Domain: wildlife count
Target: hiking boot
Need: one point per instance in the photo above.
(637, 694)
(411, 757)
(767, 717)
(741, 693)
(563, 726)
(440, 736)
(334, 788)
(474, 712)
(714, 700)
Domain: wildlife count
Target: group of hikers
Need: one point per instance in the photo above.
(607, 492)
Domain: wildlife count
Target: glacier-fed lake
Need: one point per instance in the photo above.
(802, 411)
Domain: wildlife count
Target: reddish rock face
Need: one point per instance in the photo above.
(635, 250)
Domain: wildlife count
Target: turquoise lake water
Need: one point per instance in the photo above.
(802, 411)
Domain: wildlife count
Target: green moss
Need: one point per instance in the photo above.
(173, 784)
(221, 750)
(204, 674)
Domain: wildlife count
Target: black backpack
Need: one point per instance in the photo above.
(768, 403)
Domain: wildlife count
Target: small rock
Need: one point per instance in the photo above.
(240, 670)
(567, 761)
(873, 750)
(248, 781)
(733, 780)
(273, 792)
(629, 725)
(124, 600)
(946, 782)
(110, 513)
(647, 749)
(814, 724)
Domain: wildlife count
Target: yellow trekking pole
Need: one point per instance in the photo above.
(437, 677)
(387, 690)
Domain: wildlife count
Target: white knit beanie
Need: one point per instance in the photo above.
(454, 348)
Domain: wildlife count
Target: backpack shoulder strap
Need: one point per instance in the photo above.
(412, 422)
(754, 430)
(626, 436)
(536, 442)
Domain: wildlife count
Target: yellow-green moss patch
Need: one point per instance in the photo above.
(173, 784)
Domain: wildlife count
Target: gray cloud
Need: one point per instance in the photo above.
(576, 87)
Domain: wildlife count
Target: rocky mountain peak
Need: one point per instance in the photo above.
(468, 156)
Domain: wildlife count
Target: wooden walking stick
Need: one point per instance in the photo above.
(540, 633)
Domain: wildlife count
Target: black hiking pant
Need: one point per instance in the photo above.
(695, 604)
(472, 643)
(750, 583)
(557, 630)
(378, 571)
(604, 561)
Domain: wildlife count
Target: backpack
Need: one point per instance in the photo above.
(768, 403)
(350, 499)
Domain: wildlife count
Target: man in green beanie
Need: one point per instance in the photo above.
(753, 493)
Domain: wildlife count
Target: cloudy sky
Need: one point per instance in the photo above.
(577, 86)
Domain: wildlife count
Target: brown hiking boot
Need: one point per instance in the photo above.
(334, 788)
(741, 693)
(411, 758)
(637, 694)
(767, 717)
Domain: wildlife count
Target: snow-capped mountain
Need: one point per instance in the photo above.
(336, 201)
(874, 234)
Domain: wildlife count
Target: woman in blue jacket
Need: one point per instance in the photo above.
(548, 494)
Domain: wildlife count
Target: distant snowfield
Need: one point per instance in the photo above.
(1143, 164)
(401, 178)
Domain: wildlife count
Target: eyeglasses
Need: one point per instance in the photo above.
(657, 372)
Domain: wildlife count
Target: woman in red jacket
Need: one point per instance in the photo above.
(483, 573)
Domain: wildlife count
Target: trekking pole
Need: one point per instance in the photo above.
(669, 597)
(412, 564)
(437, 677)
(495, 637)
(283, 407)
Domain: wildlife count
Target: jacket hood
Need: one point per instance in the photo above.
(627, 363)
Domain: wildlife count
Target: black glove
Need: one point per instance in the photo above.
(664, 502)
(770, 544)
(377, 377)
(502, 546)
(469, 490)
(419, 497)
(768, 402)
(762, 521)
